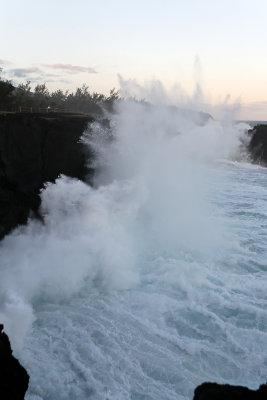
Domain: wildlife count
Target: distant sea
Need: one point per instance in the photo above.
(254, 123)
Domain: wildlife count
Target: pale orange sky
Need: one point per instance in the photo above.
(66, 43)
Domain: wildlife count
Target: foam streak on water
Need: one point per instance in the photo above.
(152, 282)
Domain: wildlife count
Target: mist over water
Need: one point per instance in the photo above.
(152, 281)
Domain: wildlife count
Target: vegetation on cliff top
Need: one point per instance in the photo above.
(39, 97)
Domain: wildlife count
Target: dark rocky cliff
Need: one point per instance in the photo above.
(258, 144)
(213, 391)
(14, 379)
(34, 149)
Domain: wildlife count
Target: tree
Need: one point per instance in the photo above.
(6, 90)
(23, 95)
(109, 102)
(83, 101)
(41, 95)
(58, 98)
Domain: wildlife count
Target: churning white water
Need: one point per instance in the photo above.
(151, 282)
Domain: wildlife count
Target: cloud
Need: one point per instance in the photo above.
(52, 75)
(24, 72)
(71, 69)
(38, 73)
(35, 74)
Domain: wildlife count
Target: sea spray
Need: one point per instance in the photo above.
(153, 177)
(150, 282)
(82, 237)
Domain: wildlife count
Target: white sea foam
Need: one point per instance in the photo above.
(152, 281)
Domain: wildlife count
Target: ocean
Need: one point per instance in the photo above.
(152, 281)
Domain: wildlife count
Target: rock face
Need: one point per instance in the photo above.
(14, 379)
(258, 144)
(214, 391)
(34, 149)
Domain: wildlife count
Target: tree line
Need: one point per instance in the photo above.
(82, 100)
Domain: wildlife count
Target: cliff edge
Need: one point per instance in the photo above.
(14, 379)
(34, 149)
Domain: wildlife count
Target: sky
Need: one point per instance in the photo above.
(220, 45)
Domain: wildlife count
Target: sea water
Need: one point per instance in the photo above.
(152, 281)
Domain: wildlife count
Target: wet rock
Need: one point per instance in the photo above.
(214, 391)
(258, 144)
(14, 379)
